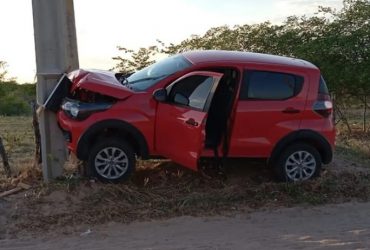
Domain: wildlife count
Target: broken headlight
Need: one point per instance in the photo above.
(81, 110)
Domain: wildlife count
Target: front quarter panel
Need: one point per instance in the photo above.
(138, 111)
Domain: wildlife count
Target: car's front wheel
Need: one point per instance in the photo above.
(298, 162)
(111, 160)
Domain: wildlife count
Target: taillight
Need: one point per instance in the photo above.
(323, 106)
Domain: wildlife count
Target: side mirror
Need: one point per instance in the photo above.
(181, 99)
(160, 95)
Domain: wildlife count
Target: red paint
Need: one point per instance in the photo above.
(256, 126)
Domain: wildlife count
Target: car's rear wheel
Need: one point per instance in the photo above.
(298, 162)
(111, 160)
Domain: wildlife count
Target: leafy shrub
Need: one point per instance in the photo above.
(15, 98)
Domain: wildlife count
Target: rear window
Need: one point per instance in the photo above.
(323, 89)
(266, 85)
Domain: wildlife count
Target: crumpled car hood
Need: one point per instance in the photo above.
(102, 82)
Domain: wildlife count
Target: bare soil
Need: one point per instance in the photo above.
(165, 206)
(341, 226)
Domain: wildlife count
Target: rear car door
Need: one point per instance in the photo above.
(180, 120)
(270, 106)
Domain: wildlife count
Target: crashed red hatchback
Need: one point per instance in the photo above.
(199, 105)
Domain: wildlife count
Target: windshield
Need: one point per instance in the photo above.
(152, 74)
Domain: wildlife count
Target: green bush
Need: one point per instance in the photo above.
(11, 105)
(15, 98)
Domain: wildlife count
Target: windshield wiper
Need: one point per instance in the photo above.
(125, 83)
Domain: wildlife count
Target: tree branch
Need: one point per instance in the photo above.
(4, 156)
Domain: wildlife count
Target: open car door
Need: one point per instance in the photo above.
(181, 118)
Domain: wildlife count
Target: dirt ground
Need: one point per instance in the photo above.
(342, 226)
(165, 206)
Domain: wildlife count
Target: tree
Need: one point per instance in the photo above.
(5, 159)
(132, 60)
(338, 42)
(3, 71)
(15, 98)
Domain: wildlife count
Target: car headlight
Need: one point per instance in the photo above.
(68, 106)
(74, 111)
(81, 110)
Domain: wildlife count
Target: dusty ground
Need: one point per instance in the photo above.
(167, 207)
(344, 226)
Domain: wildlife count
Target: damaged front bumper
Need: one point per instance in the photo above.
(61, 91)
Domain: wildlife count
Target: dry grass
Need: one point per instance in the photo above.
(354, 146)
(162, 189)
(17, 134)
(18, 137)
(168, 190)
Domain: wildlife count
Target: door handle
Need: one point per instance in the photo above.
(191, 122)
(291, 110)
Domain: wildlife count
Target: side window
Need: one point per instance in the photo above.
(192, 91)
(266, 85)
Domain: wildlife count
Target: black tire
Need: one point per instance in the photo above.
(290, 166)
(111, 160)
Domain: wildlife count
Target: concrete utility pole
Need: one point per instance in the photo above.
(56, 53)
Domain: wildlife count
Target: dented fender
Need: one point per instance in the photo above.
(102, 82)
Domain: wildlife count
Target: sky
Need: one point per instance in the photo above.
(103, 25)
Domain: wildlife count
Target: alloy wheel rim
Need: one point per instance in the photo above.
(300, 166)
(111, 163)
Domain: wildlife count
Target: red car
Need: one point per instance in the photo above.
(199, 104)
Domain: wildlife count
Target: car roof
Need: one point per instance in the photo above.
(209, 56)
